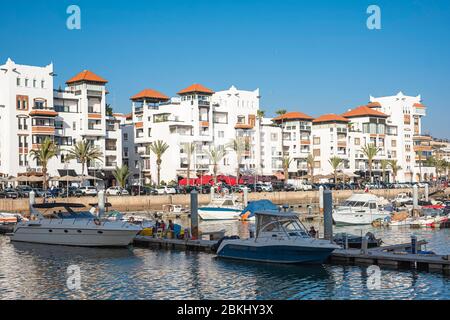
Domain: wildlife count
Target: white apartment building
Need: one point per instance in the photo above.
(200, 116)
(329, 139)
(31, 110)
(295, 130)
(404, 126)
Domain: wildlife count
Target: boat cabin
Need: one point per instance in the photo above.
(279, 225)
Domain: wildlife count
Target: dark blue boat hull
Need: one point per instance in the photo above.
(276, 254)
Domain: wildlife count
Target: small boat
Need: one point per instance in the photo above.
(361, 209)
(401, 199)
(221, 208)
(355, 242)
(280, 238)
(8, 221)
(64, 226)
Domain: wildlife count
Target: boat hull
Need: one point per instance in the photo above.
(357, 218)
(212, 213)
(281, 254)
(88, 238)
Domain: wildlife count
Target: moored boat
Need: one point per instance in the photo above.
(280, 238)
(361, 209)
(64, 226)
(221, 208)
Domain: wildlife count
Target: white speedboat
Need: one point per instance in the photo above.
(360, 209)
(280, 238)
(63, 226)
(221, 208)
(402, 198)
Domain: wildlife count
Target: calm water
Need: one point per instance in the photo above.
(29, 271)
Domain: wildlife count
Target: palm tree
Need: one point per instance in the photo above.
(109, 110)
(310, 164)
(189, 148)
(395, 168)
(370, 151)
(239, 146)
(158, 148)
(84, 151)
(260, 114)
(286, 164)
(335, 163)
(281, 112)
(215, 155)
(43, 155)
(384, 167)
(122, 174)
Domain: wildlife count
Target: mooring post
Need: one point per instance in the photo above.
(245, 192)
(321, 199)
(32, 200)
(328, 214)
(413, 244)
(194, 215)
(364, 245)
(427, 191)
(101, 203)
(415, 197)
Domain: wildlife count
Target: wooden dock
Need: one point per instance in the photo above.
(385, 257)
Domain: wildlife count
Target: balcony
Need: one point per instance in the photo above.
(203, 103)
(43, 130)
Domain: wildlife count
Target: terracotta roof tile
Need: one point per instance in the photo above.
(293, 116)
(87, 76)
(364, 111)
(374, 105)
(419, 105)
(330, 118)
(151, 94)
(196, 88)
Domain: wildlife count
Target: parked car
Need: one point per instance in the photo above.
(278, 186)
(24, 191)
(144, 191)
(9, 193)
(73, 192)
(40, 193)
(89, 191)
(288, 187)
(166, 190)
(261, 187)
(117, 191)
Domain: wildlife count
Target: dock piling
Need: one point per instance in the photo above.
(328, 214)
(321, 189)
(427, 192)
(101, 203)
(194, 214)
(415, 197)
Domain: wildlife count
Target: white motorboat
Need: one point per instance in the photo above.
(360, 209)
(280, 238)
(221, 208)
(402, 198)
(63, 226)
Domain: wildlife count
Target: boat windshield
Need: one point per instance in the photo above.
(350, 203)
(281, 226)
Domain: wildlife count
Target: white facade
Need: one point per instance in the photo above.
(31, 110)
(197, 116)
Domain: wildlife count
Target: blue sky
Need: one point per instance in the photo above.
(312, 56)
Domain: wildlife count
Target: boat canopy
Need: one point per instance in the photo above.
(259, 206)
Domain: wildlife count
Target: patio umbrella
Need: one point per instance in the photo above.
(69, 179)
(88, 177)
(35, 179)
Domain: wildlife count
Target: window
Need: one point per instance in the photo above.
(42, 84)
(34, 83)
(316, 140)
(317, 164)
(74, 126)
(26, 82)
(40, 104)
(394, 143)
(22, 102)
(221, 134)
(316, 152)
(125, 136)
(18, 82)
(357, 141)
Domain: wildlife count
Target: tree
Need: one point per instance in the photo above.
(159, 148)
(335, 163)
(109, 110)
(370, 151)
(239, 146)
(286, 164)
(281, 112)
(122, 174)
(84, 151)
(310, 164)
(189, 148)
(395, 168)
(384, 167)
(215, 155)
(260, 114)
(43, 155)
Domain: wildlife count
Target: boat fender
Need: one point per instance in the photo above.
(97, 222)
